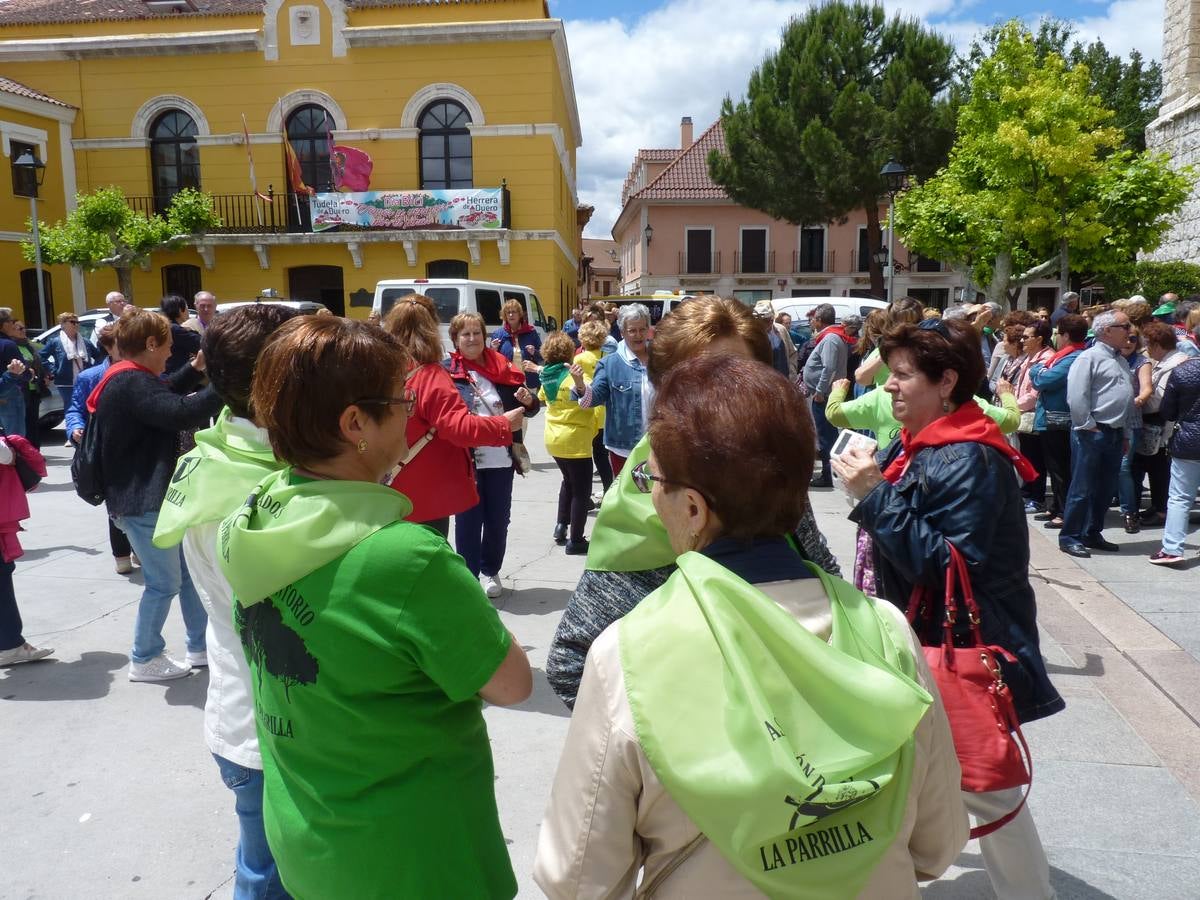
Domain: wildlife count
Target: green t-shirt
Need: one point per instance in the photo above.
(378, 769)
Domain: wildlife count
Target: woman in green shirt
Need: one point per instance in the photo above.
(371, 644)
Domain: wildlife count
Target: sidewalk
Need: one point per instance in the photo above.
(110, 792)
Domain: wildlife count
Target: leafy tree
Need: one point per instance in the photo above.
(1152, 279)
(846, 90)
(1037, 172)
(103, 230)
(274, 647)
(1130, 88)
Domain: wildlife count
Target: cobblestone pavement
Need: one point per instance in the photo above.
(110, 792)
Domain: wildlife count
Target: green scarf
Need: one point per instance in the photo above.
(553, 375)
(291, 526)
(792, 755)
(628, 535)
(214, 478)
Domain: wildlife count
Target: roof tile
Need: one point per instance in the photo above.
(687, 178)
(33, 12)
(8, 86)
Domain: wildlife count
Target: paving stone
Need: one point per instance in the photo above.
(1088, 730)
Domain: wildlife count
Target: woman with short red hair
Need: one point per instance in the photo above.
(710, 752)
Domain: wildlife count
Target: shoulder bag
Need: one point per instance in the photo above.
(983, 719)
(85, 467)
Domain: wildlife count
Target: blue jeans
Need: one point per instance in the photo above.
(257, 876)
(1185, 481)
(826, 433)
(166, 575)
(12, 407)
(1127, 491)
(1095, 469)
(481, 532)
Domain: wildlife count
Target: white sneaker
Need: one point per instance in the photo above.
(491, 585)
(161, 668)
(197, 660)
(124, 564)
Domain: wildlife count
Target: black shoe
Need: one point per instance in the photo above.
(1099, 543)
(577, 548)
(821, 481)
(1153, 518)
(1043, 516)
(1052, 525)
(560, 534)
(1077, 550)
(1133, 524)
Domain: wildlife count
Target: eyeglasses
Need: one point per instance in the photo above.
(643, 480)
(408, 401)
(72, 321)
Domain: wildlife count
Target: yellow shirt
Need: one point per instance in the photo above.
(587, 360)
(569, 429)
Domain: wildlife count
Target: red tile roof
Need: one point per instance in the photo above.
(8, 86)
(31, 12)
(686, 178)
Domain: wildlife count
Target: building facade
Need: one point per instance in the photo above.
(602, 268)
(678, 230)
(457, 97)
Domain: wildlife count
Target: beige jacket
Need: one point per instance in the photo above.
(610, 820)
(789, 347)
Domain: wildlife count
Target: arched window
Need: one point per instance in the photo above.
(445, 146)
(174, 156)
(308, 129)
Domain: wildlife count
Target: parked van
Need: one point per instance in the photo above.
(452, 296)
(798, 307)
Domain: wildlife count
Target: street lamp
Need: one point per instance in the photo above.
(649, 232)
(29, 162)
(894, 176)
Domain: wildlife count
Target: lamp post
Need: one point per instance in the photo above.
(894, 176)
(29, 162)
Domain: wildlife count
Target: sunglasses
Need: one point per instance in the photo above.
(408, 401)
(643, 480)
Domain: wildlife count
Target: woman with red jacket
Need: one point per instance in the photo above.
(13, 509)
(438, 474)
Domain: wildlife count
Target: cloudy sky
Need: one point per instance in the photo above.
(639, 66)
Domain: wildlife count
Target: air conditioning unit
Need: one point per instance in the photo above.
(170, 5)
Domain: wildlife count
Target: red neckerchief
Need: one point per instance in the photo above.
(1064, 352)
(966, 424)
(834, 329)
(492, 365)
(525, 328)
(93, 399)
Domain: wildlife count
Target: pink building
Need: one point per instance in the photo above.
(678, 230)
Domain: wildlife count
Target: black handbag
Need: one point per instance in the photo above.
(29, 478)
(85, 467)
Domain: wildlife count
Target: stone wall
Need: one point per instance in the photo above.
(1178, 135)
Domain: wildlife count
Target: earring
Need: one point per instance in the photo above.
(945, 406)
(693, 540)
(362, 446)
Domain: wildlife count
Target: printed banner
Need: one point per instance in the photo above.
(471, 208)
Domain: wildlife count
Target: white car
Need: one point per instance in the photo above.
(798, 307)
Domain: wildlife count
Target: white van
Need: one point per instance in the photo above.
(798, 307)
(454, 295)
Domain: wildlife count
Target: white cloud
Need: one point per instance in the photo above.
(634, 80)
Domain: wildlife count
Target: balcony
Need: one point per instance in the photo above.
(812, 263)
(756, 263)
(700, 263)
(247, 214)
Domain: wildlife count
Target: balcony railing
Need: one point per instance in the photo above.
(803, 263)
(754, 263)
(248, 214)
(700, 263)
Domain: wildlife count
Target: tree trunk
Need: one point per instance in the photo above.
(874, 245)
(1064, 267)
(125, 281)
(997, 288)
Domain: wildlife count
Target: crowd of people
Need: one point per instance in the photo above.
(744, 720)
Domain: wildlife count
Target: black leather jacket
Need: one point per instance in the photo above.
(967, 494)
(1181, 405)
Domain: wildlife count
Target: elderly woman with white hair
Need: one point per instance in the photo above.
(620, 385)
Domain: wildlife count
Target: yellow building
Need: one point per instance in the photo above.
(150, 95)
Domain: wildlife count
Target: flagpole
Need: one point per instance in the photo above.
(253, 178)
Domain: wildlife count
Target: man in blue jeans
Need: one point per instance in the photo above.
(1100, 395)
(824, 366)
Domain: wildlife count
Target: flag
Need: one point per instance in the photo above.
(351, 169)
(250, 159)
(295, 175)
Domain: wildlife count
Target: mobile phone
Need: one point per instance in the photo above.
(847, 439)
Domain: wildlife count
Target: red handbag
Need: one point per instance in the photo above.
(983, 720)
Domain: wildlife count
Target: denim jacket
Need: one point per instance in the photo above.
(1051, 385)
(618, 385)
(967, 494)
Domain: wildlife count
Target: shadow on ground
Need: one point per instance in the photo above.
(189, 691)
(543, 700)
(86, 678)
(536, 601)
(43, 552)
(1093, 666)
(975, 884)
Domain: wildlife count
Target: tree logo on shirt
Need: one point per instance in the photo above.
(185, 469)
(273, 647)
